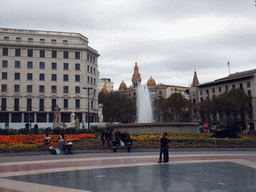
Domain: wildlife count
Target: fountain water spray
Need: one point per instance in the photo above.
(144, 109)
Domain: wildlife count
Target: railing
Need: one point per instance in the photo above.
(96, 144)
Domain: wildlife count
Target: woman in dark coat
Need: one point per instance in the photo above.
(164, 148)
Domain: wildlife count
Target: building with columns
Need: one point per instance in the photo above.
(44, 69)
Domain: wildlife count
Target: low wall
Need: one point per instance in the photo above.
(156, 128)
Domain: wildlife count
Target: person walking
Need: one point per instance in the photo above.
(164, 148)
(62, 141)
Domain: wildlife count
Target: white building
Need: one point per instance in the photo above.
(42, 69)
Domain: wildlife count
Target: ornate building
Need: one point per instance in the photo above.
(155, 90)
(44, 69)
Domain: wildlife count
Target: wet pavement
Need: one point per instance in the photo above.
(187, 171)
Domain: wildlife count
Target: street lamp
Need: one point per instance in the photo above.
(209, 108)
(88, 88)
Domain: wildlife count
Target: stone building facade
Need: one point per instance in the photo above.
(245, 80)
(44, 69)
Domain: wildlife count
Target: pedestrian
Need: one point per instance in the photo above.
(164, 148)
(114, 140)
(103, 137)
(117, 135)
(128, 140)
(62, 141)
(47, 138)
(108, 137)
(122, 138)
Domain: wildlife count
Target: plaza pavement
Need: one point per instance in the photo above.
(135, 171)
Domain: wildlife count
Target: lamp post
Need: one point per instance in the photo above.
(209, 108)
(88, 119)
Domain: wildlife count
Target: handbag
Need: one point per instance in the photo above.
(122, 143)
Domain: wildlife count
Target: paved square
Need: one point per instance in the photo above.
(186, 172)
(221, 176)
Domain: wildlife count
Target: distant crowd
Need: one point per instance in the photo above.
(117, 138)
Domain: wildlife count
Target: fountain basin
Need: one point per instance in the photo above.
(157, 128)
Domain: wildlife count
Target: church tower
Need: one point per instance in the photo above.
(136, 80)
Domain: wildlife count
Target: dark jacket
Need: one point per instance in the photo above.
(164, 142)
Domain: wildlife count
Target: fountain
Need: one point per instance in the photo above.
(144, 109)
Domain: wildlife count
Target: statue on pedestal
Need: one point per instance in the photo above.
(56, 120)
(73, 121)
(100, 114)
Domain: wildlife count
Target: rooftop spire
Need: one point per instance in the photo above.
(195, 81)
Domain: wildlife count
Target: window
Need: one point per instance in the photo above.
(54, 41)
(77, 78)
(17, 52)
(88, 57)
(91, 104)
(213, 90)
(77, 55)
(17, 88)
(65, 77)
(94, 81)
(94, 70)
(42, 41)
(16, 104)
(219, 89)
(5, 51)
(54, 89)
(6, 39)
(4, 64)
(30, 40)
(4, 75)
(54, 54)
(41, 88)
(29, 88)
(54, 77)
(77, 66)
(65, 54)
(226, 87)
(91, 69)
(249, 92)
(77, 89)
(29, 76)
(201, 92)
(65, 89)
(3, 107)
(41, 65)
(29, 104)
(4, 88)
(17, 64)
(65, 103)
(233, 86)
(18, 39)
(65, 66)
(54, 65)
(248, 84)
(53, 104)
(30, 65)
(241, 86)
(30, 52)
(88, 79)
(41, 77)
(77, 103)
(88, 68)
(17, 76)
(42, 53)
(41, 104)
(65, 42)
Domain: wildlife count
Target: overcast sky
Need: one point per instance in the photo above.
(168, 39)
